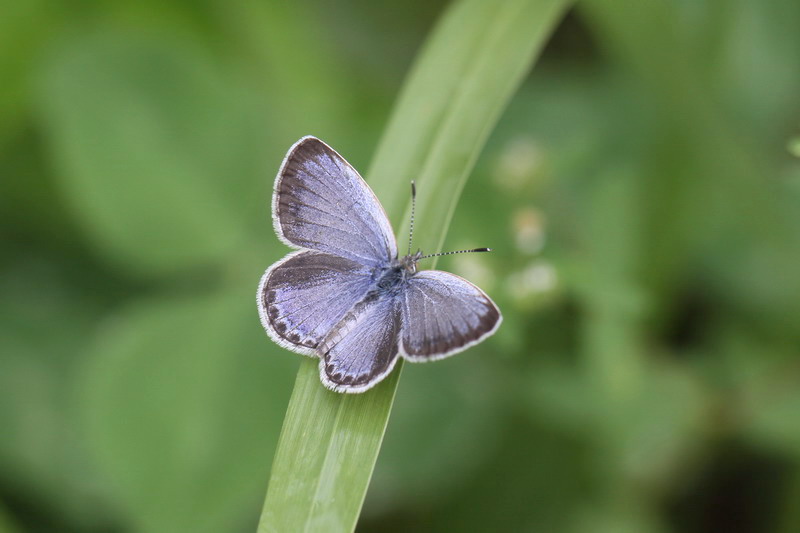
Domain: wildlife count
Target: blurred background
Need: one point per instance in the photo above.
(641, 193)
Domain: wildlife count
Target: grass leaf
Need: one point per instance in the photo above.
(464, 77)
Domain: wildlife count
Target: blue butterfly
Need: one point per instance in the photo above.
(345, 296)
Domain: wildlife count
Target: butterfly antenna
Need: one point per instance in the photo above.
(413, 202)
(457, 252)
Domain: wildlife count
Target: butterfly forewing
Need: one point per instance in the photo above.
(444, 314)
(302, 297)
(321, 203)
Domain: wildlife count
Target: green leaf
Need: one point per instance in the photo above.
(153, 146)
(23, 28)
(182, 407)
(423, 461)
(7, 524)
(469, 69)
(45, 322)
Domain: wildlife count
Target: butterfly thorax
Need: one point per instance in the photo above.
(392, 278)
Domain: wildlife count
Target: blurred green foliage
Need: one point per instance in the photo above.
(642, 195)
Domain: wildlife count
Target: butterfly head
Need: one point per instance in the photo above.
(409, 262)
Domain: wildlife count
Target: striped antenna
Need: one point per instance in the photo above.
(457, 252)
(413, 202)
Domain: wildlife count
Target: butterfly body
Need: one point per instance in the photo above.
(345, 296)
(392, 280)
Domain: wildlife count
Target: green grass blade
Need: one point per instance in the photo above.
(465, 75)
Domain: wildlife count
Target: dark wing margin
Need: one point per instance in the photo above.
(304, 295)
(444, 314)
(321, 203)
(363, 348)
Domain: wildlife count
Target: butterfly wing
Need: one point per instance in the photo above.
(303, 296)
(321, 203)
(363, 348)
(444, 314)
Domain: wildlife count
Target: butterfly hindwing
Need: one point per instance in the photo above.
(444, 314)
(363, 348)
(321, 203)
(302, 297)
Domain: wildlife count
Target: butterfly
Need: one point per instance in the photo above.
(344, 295)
